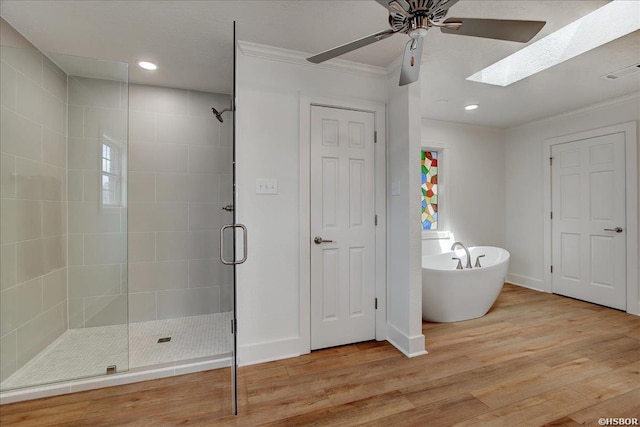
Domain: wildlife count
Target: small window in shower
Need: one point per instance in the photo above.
(111, 175)
(429, 163)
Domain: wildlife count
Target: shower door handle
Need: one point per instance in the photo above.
(244, 244)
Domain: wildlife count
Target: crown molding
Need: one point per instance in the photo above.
(576, 112)
(257, 50)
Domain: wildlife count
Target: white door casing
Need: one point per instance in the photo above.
(588, 204)
(342, 211)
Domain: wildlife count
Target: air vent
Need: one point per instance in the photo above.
(165, 339)
(623, 72)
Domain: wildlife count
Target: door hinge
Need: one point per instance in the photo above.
(550, 161)
(551, 215)
(375, 136)
(376, 304)
(552, 268)
(234, 326)
(375, 221)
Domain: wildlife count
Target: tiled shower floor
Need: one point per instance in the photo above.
(80, 353)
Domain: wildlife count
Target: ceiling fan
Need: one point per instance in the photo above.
(415, 17)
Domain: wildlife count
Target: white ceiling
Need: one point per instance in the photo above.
(192, 43)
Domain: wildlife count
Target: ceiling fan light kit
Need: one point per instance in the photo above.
(415, 17)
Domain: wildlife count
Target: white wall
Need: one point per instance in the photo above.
(524, 183)
(33, 196)
(474, 206)
(268, 144)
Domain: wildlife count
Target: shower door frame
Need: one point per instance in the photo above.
(234, 321)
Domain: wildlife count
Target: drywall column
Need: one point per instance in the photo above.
(404, 284)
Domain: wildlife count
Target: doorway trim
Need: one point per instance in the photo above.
(631, 152)
(379, 111)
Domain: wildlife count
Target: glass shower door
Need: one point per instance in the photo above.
(233, 237)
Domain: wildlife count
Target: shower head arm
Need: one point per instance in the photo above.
(218, 114)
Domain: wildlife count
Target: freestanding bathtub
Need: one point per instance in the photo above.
(451, 295)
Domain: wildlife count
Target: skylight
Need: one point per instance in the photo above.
(611, 21)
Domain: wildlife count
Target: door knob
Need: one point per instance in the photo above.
(617, 229)
(317, 240)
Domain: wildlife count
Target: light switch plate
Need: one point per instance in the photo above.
(395, 188)
(266, 186)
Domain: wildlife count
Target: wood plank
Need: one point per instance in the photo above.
(534, 411)
(623, 406)
(550, 341)
(522, 386)
(424, 393)
(386, 381)
(610, 384)
(46, 415)
(349, 414)
(562, 422)
(445, 412)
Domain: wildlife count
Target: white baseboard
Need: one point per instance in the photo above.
(634, 308)
(252, 354)
(409, 346)
(527, 282)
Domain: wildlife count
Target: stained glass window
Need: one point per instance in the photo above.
(429, 190)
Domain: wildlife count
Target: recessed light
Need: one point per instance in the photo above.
(471, 107)
(635, 68)
(147, 65)
(611, 21)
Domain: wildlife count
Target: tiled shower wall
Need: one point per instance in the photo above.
(97, 232)
(179, 180)
(33, 230)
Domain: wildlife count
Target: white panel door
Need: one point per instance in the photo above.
(588, 208)
(342, 216)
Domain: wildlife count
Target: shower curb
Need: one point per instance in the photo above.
(129, 377)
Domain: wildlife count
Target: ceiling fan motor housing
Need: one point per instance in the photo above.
(418, 14)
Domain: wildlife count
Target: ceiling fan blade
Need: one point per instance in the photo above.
(446, 5)
(345, 48)
(500, 29)
(383, 3)
(410, 71)
(399, 6)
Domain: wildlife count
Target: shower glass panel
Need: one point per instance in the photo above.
(180, 179)
(63, 232)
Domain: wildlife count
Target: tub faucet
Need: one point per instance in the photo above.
(453, 248)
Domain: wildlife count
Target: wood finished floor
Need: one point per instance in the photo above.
(535, 359)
